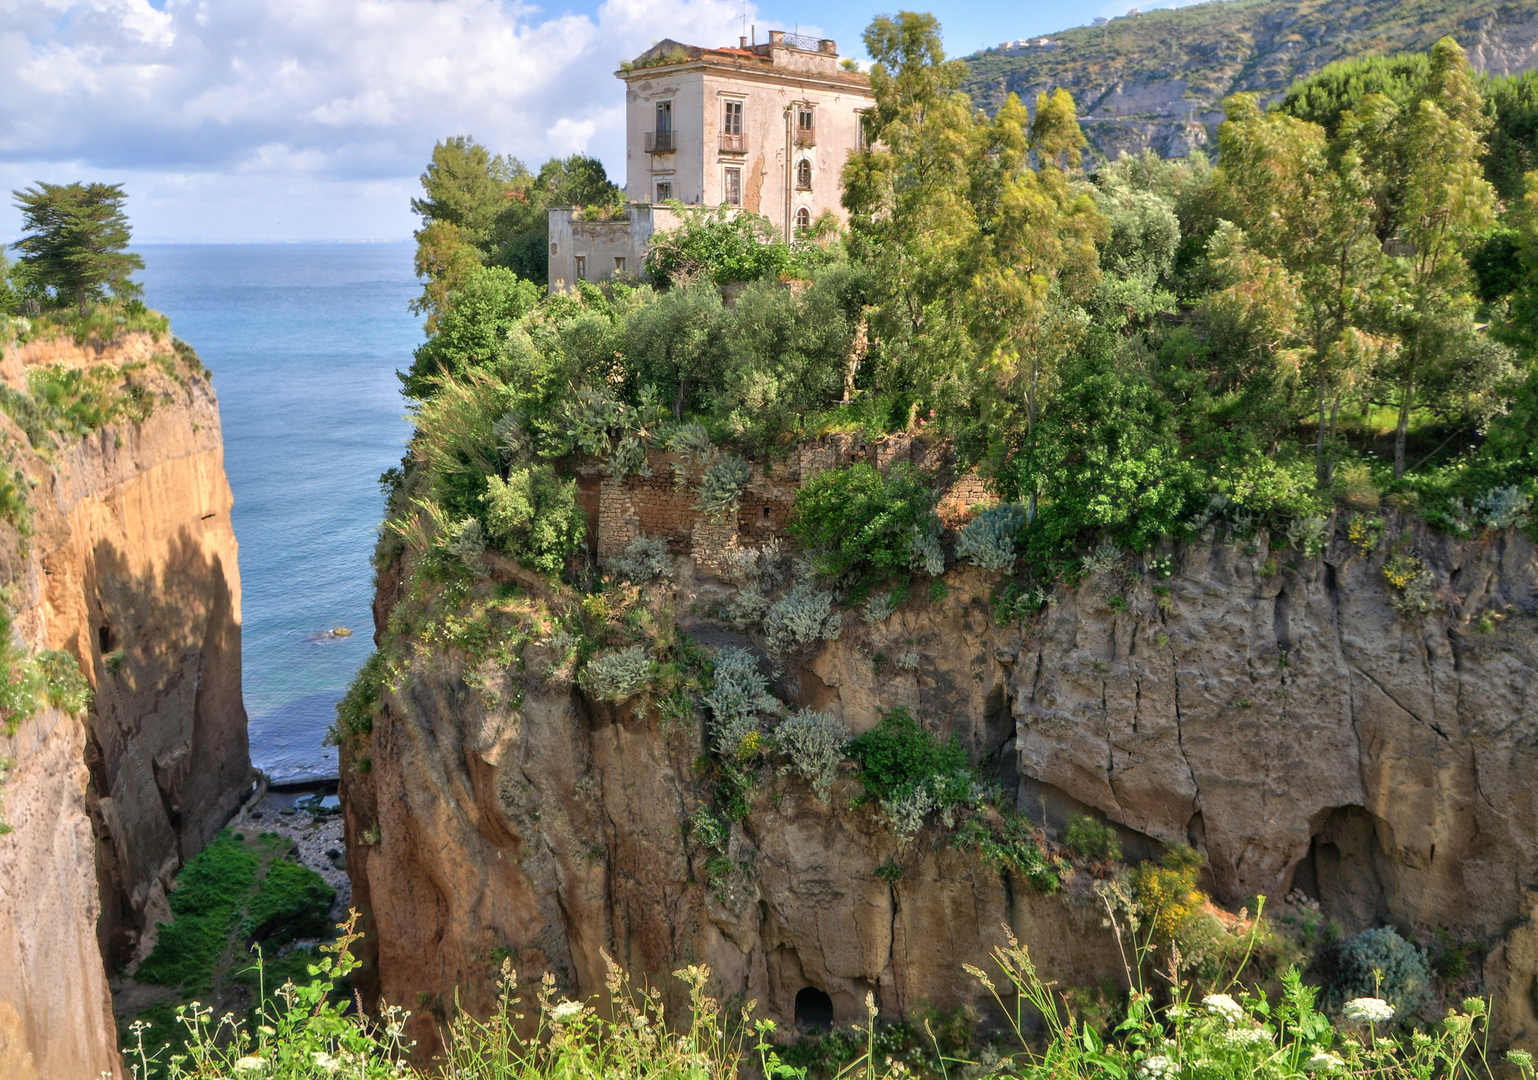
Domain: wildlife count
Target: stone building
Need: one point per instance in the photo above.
(765, 128)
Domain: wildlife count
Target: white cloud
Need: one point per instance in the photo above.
(241, 118)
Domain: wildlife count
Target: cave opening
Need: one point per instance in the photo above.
(814, 1009)
(104, 638)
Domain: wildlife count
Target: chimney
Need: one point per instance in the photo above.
(742, 42)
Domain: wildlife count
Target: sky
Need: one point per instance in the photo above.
(293, 120)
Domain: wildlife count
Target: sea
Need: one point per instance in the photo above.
(304, 341)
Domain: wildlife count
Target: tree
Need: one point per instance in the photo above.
(75, 239)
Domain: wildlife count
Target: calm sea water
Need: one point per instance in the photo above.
(304, 341)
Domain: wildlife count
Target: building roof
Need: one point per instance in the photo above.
(783, 52)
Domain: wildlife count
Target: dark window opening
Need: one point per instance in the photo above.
(104, 638)
(665, 117)
(814, 1009)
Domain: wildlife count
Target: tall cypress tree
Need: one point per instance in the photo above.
(75, 239)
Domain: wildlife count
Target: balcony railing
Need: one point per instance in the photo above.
(659, 142)
(734, 144)
(806, 136)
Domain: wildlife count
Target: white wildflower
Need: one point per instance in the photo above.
(251, 1065)
(1368, 1010)
(1323, 1061)
(1224, 1006)
(566, 1010)
(1247, 1038)
(1156, 1067)
(325, 1061)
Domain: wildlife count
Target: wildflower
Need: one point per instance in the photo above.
(1520, 1058)
(250, 1065)
(325, 1061)
(1224, 1006)
(1368, 1010)
(1323, 1061)
(1156, 1067)
(566, 1010)
(1247, 1038)
(1420, 1038)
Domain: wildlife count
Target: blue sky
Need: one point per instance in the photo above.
(236, 120)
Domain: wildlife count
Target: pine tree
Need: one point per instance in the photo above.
(75, 239)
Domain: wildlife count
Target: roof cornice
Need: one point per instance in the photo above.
(850, 82)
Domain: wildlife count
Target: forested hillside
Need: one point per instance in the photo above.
(1158, 79)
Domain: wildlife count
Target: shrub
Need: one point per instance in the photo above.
(867, 528)
(355, 711)
(814, 742)
(644, 559)
(1504, 508)
(897, 756)
(738, 695)
(619, 675)
(1167, 890)
(799, 618)
(1092, 837)
(535, 517)
(65, 684)
(988, 540)
(879, 607)
(1104, 557)
(1307, 534)
(1379, 963)
(721, 486)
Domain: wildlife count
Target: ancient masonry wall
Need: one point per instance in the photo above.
(661, 503)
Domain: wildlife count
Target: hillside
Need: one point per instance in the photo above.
(1158, 79)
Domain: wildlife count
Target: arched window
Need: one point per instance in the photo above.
(803, 220)
(803, 175)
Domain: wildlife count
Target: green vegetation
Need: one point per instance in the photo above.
(1090, 836)
(1217, 48)
(898, 757)
(481, 209)
(1177, 1028)
(238, 895)
(729, 247)
(866, 528)
(74, 244)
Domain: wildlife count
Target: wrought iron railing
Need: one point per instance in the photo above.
(734, 144)
(802, 41)
(659, 142)
(806, 136)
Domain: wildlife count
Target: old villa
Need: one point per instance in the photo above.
(762, 127)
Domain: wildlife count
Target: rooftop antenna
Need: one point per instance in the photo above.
(744, 15)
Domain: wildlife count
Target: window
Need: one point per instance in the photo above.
(803, 220)
(665, 116)
(581, 261)
(664, 190)
(806, 126)
(619, 264)
(733, 187)
(803, 175)
(732, 120)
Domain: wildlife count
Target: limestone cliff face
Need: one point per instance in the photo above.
(1278, 712)
(132, 569)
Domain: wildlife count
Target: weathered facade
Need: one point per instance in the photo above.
(765, 128)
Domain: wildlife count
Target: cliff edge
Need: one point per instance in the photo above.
(124, 558)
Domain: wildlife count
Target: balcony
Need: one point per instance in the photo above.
(659, 142)
(806, 136)
(734, 144)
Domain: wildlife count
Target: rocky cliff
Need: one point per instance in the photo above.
(1158, 79)
(131, 568)
(1293, 718)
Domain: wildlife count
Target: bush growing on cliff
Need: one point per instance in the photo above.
(814, 742)
(988, 540)
(617, 676)
(865, 528)
(1379, 963)
(644, 560)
